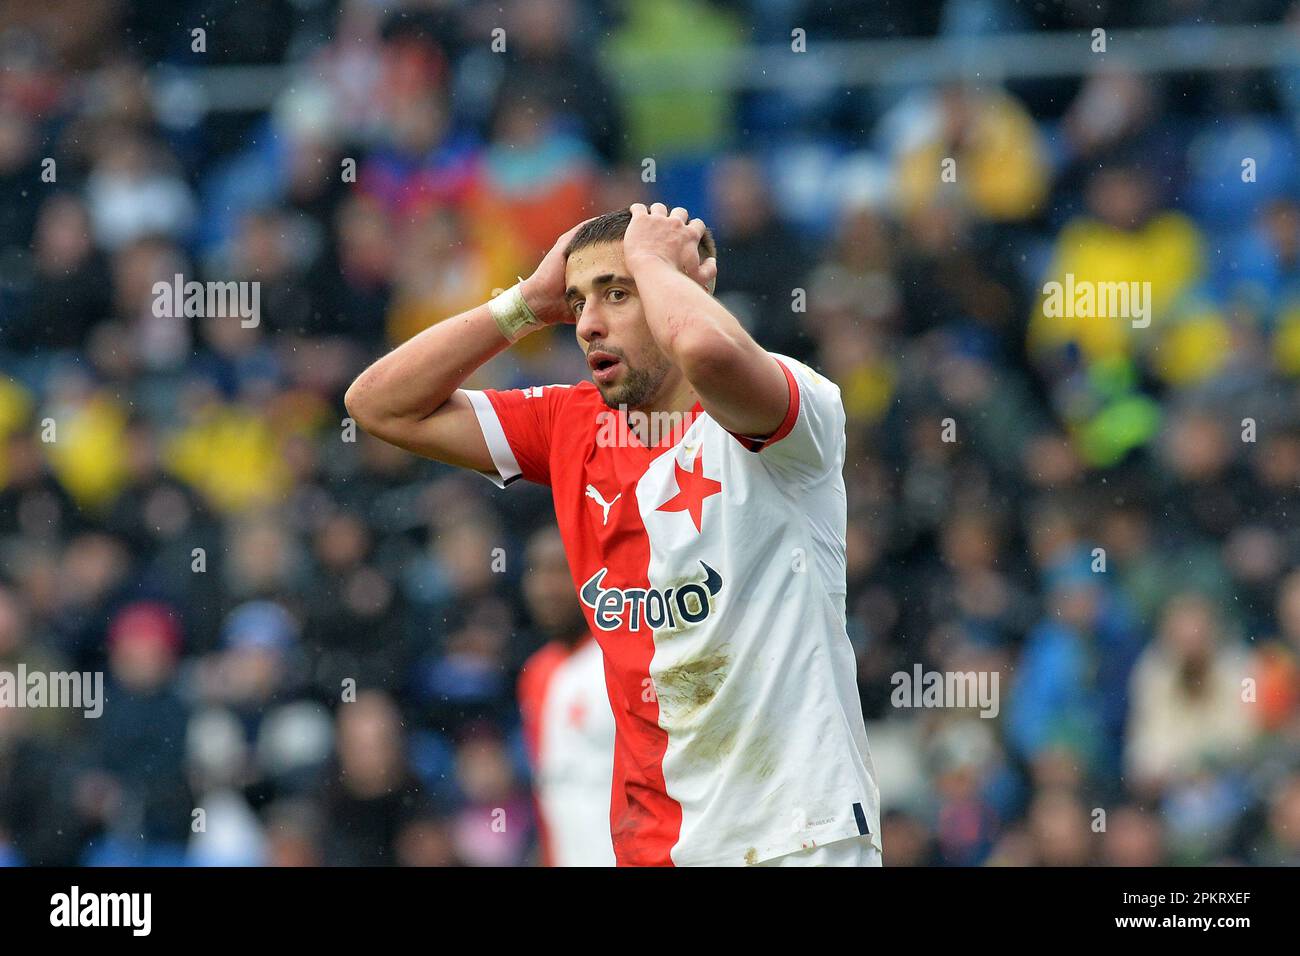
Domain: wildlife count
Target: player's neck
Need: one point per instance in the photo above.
(678, 400)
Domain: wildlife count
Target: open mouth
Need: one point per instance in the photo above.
(603, 365)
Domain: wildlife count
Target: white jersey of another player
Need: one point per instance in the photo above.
(570, 732)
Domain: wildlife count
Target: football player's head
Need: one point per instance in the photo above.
(548, 587)
(626, 363)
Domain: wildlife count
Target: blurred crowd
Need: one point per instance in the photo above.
(312, 640)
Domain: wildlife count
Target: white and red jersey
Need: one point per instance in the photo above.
(569, 733)
(712, 572)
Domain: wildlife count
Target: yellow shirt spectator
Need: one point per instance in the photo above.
(87, 455)
(232, 457)
(989, 156)
(1166, 252)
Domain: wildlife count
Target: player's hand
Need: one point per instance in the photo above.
(544, 289)
(673, 237)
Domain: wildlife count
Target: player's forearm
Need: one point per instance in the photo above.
(688, 324)
(414, 380)
(737, 382)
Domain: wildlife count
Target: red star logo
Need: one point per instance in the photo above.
(692, 489)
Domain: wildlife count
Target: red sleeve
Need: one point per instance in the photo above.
(517, 424)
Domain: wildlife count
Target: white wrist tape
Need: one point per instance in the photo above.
(514, 318)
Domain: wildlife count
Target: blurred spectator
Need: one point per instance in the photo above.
(1133, 838)
(293, 834)
(997, 167)
(19, 167)
(1189, 712)
(70, 292)
(1277, 662)
(1125, 237)
(136, 786)
(1058, 831)
(1282, 847)
(547, 39)
(1071, 685)
(494, 824)
(132, 193)
(764, 259)
(374, 794)
(675, 122)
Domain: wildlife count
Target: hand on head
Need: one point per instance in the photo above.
(671, 236)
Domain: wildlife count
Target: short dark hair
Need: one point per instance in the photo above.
(612, 226)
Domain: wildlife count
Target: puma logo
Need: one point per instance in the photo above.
(595, 496)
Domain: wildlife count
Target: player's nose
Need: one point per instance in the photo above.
(591, 324)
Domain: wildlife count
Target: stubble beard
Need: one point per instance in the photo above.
(639, 385)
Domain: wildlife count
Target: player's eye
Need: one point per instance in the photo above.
(620, 293)
(577, 306)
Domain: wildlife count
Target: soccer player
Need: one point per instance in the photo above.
(568, 726)
(710, 560)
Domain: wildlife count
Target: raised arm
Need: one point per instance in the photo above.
(411, 397)
(739, 384)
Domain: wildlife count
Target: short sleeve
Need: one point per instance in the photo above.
(809, 443)
(517, 425)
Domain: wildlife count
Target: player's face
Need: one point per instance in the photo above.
(548, 587)
(626, 364)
